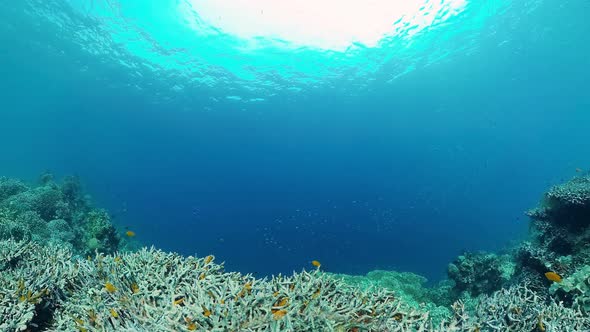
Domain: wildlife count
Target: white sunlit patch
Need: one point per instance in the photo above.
(327, 24)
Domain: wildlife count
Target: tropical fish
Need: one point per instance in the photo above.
(206, 312)
(283, 302)
(316, 263)
(279, 314)
(110, 287)
(208, 259)
(130, 233)
(553, 276)
(134, 288)
(114, 313)
(579, 170)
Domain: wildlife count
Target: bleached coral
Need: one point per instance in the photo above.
(517, 309)
(46, 289)
(573, 192)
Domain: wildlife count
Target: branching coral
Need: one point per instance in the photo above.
(45, 289)
(151, 290)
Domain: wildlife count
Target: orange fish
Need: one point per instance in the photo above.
(553, 276)
(316, 263)
(279, 314)
(206, 312)
(110, 287)
(130, 233)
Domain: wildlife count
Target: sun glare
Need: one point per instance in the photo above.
(326, 24)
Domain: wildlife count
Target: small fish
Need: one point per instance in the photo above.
(283, 302)
(191, 326)
(208, 259)
(134, 288)
(110, 287)
(578, 170)
(206, 312)
(316, 263)
(279, 314)
(553, 276)
(117, 259)
(130, 233)
(114, 313)
(316, 293)
(178, 301)
(540, 325)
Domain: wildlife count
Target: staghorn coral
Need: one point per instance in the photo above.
(517, 309)
(150, 290)
(32, 282)
(45, 289)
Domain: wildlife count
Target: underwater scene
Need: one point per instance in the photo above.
(285, 166)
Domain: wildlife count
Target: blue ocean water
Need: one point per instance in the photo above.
(267, 154)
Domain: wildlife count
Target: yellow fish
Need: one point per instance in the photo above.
(110, 287)
(206, 312)
(130, 233)
(553, 276)
(316, 263)
(279, 314)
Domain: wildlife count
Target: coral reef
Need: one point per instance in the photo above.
(150, 290)
(408, 287)
(517, 308)
(57, 214)
(47, 285)
(480, 273)
(47, 289)
(560, 239)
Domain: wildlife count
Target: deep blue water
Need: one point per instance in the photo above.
(402, 174)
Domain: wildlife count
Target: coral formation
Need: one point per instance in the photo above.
(151, 290)
(54, 213)
(480, 273)
(47, 285)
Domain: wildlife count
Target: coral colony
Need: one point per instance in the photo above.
(64, 267)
